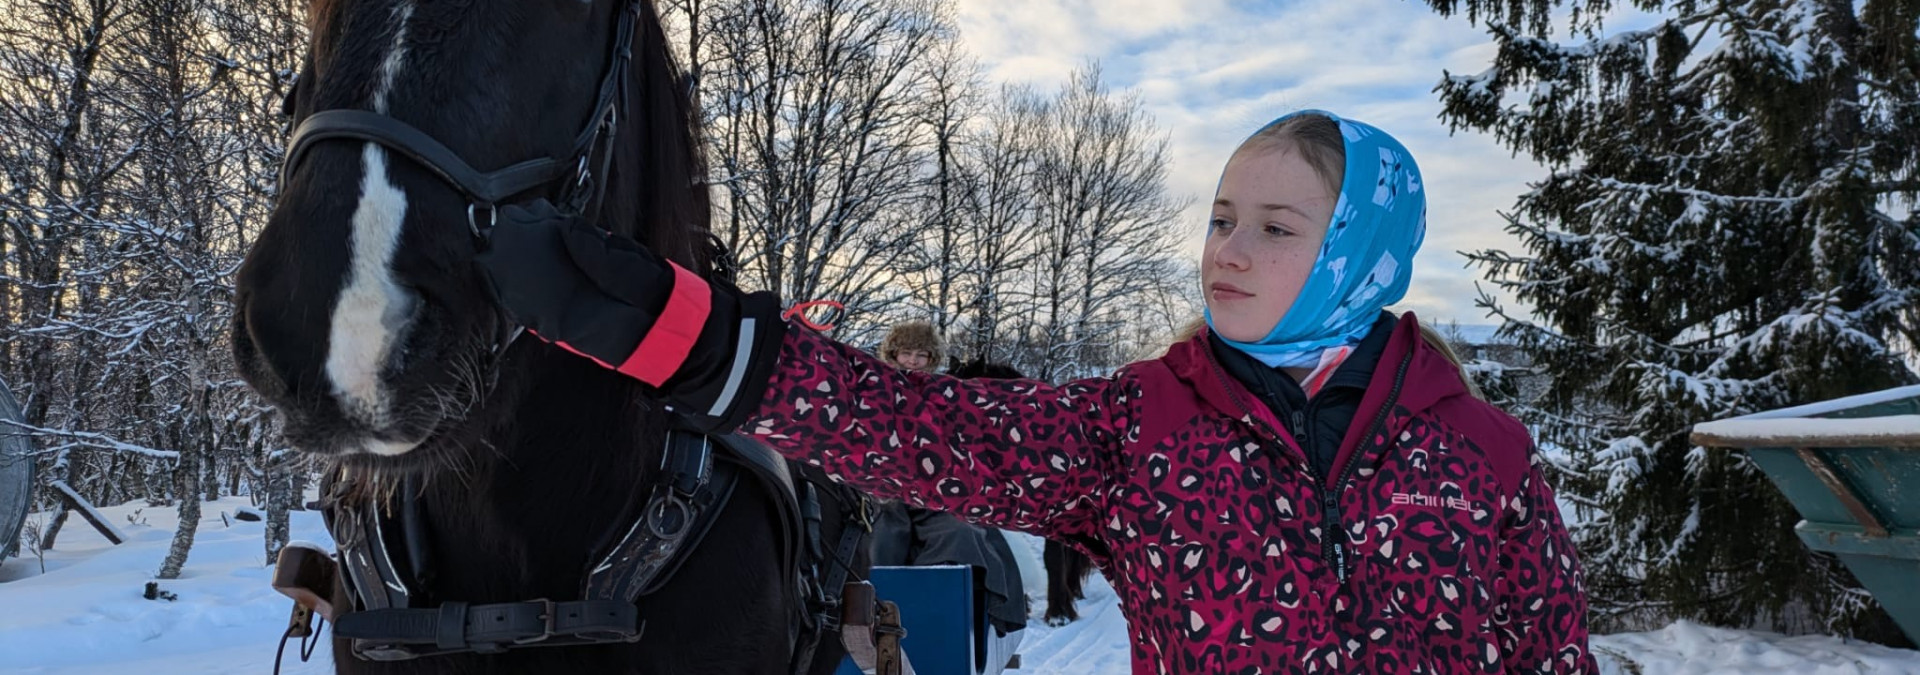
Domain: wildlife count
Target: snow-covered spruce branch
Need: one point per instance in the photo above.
(1670, 189)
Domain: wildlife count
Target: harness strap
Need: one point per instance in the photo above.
(829, 590)
(871, 632)
(488, 188)
(398, 634)
(692, 486)
(491, 187)
(372, 578)
(683, 506)
(777, 476)
(850, 540)
(589, 185)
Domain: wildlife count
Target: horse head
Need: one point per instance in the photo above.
(359, 311)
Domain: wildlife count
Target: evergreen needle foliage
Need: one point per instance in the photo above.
(1728, 227)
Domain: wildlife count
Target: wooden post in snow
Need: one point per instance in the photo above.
(81, 506)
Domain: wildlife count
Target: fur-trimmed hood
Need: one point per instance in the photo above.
(914, 335)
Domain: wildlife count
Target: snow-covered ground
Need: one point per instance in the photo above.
(85, 614)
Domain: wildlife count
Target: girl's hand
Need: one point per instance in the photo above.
(606, 297)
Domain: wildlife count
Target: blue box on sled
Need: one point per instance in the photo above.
(937, 610)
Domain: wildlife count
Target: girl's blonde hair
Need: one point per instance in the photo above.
(1315, 137)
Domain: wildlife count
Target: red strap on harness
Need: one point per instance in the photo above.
(798, 314)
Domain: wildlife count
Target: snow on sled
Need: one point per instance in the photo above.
(1851, 467)
(947, 631)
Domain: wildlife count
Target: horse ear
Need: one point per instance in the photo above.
(292, 97)
(720, 263)
(290, 103)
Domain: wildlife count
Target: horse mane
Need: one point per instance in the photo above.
(665, 203)
(979, 368)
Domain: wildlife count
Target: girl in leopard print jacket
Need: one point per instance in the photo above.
(1304, 486)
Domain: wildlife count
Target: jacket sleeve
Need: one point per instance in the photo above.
(1016, 454)
(1540, 614)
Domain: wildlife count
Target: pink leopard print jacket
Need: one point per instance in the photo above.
(1440, 551)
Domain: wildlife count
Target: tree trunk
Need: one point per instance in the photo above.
(64, 463)
(210, 477)
(297, 489)
(53, 528)
(186, 477)
(280, 499)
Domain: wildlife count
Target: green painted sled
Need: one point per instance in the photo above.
(1852, 468)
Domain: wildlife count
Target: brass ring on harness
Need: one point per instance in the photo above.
(657, 517)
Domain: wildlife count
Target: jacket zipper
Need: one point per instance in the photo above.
(1335, 553)
(1330, 502)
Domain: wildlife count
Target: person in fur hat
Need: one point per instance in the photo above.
(914, 345)
(908, 535)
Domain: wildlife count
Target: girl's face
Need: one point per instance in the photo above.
(1264, 236)
(914, 359)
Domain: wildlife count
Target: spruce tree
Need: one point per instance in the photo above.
(1728, 226)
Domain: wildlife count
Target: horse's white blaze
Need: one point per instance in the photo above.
(371, 314)
(372, 309)
(396, 56)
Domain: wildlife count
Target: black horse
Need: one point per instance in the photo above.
(472, 476)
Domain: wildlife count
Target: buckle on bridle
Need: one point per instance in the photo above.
(473, 221)
(547, 614)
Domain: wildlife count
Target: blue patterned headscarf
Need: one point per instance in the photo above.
(1366, 261)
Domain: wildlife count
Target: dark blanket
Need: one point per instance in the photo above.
(906, 535)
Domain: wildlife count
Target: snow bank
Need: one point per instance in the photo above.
(86, 613)
(1686, 648)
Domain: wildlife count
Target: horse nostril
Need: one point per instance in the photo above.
(275, 348)
(253, 368)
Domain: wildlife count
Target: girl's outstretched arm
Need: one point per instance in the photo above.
(1017, 454)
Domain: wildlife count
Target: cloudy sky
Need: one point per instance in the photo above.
(1212, 71)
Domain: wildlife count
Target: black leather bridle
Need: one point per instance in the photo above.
(576, 182)
(580, 187)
